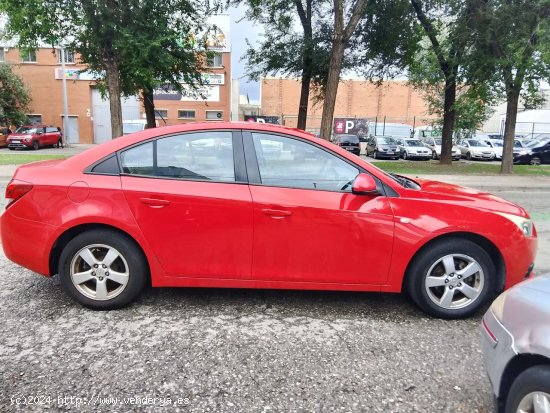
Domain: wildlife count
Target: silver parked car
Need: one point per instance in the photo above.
(476, 149)
(434, 145)
(516, 346)
(413, 149)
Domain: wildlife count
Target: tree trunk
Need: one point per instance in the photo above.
(335, 67)
(449, 116)
(512, 100)
(307, 61)
(149, 106)
(304, 94)
(112, 75)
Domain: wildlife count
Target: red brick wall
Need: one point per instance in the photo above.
(395, 100)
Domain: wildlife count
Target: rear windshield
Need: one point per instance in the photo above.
(413, 143)
(349, 138)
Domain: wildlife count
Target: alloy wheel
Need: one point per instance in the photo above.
(535, 161)
(454, 281)
(535, 402)
(99, 272)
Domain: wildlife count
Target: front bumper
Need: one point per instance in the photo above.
(482, 156)
(19, 145)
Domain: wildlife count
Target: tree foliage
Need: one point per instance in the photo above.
(135, 44)
(511, 53)
(14, 97)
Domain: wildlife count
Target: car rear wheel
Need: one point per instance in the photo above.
(452, 279)
(405, 156)
(35, 145)
(102, 269)
(469, 156)
(375, 154)
(434, 155)
(530, 391)
(535, 161)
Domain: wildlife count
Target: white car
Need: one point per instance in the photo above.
(413, 149)
(497, 147)
(476, 149)
(434, 144)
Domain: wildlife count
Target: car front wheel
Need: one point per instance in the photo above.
(530, 391)
(35, 145)
(405, 156)
(452, 279)
(535, 160)
(102, 269)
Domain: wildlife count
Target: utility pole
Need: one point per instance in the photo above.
(65, 104)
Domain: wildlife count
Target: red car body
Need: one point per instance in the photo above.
(34, 136)
(244, 235)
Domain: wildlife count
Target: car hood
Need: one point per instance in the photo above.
(19, 135)
(454, 193)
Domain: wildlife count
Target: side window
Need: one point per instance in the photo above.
(52, 130)
(138, 160)
(293, 163)
(204, 156)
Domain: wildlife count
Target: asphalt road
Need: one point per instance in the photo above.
(240, 350)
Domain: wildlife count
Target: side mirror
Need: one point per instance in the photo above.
(364, 184)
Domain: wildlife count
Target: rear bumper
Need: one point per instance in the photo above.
(27, 243)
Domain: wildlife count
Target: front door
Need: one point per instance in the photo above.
(309, 227)
(191, 204)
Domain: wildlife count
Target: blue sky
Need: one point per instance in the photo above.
(240, 31)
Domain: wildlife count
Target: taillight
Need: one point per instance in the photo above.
(15, 190)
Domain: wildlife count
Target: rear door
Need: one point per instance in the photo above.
(189, 196)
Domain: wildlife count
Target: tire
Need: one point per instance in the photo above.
(11, 149)
(434, 155)
(436, 279)
(375, 154)
(468, 156)
(35, 145)
(533, 382)
(94, 248)
(535, 160)
(405, 156)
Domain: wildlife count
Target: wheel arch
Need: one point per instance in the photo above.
(486, 244)
(513, 369)
(72, 232)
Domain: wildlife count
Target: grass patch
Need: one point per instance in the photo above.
(457, 168)
(9, 159)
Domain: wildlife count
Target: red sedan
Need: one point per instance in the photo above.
(250, 205)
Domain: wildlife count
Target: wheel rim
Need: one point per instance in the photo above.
(454, 281)
(405, 155)
(99, 272)
(535, 161)
(434, 155)
(536, 402)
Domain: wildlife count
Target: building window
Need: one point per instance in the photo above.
(214, 115)
(69, 56)
(215, 60)
(186, 114)
(28, 56)
(34, 119)
(161, 113)
(2, 55)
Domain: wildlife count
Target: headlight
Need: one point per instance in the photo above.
(27, 139)
(524, 224)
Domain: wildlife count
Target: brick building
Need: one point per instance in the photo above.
(393, 101)
(89, 114)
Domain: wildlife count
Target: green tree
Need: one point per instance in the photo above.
(135, 44)
(14, 97)
(287, 50)
(512, 51)
(441, 58)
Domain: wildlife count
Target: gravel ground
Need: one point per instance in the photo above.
(233, 351)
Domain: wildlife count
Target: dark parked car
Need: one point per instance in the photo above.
(348, 142)
(516, 345)
(535, 153)
(35, 137)
(382, 147)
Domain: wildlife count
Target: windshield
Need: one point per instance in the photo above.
(132, 127)
(473, 142)
(413, 143)
(386, 140)
(538, 143)
(497, 144)
(27, 130)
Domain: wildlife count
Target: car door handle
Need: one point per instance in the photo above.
(154, 202)
(276, 213)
